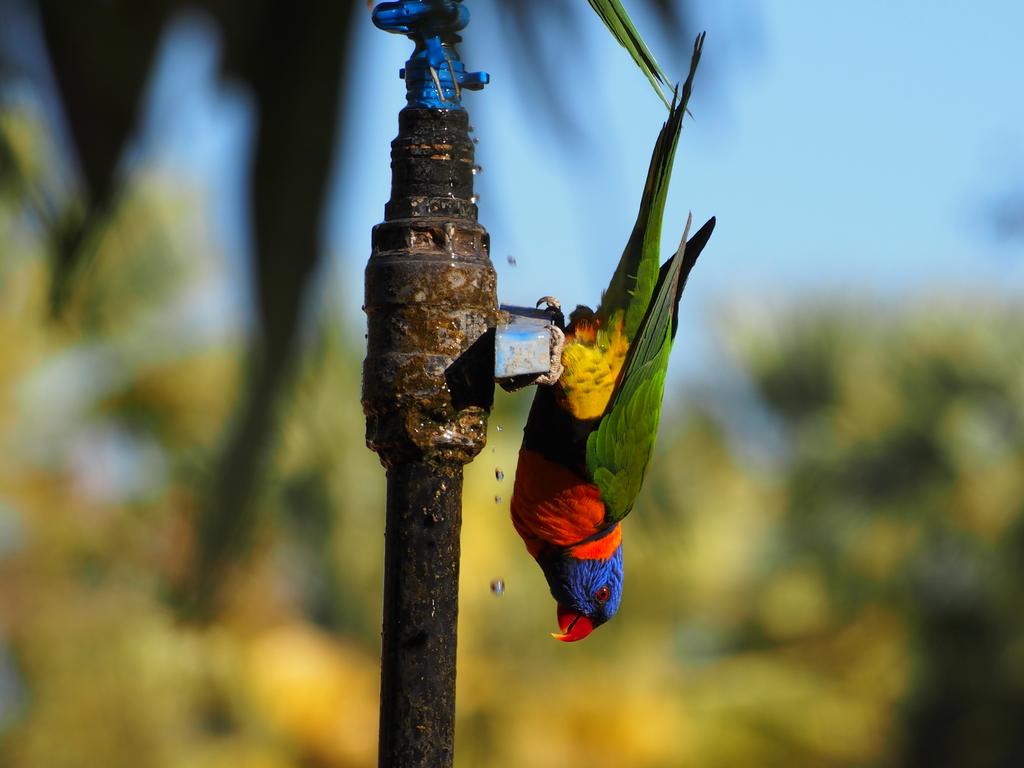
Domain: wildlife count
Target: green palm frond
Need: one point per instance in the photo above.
(619, 24)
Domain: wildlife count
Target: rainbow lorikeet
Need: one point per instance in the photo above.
(590, 435)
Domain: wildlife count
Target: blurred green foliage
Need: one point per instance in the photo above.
(823, 569)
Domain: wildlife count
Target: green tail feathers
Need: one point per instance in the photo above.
(617, 20)
(632, 285)
(619, 449)
(648, 294)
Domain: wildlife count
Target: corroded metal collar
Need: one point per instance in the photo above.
(430, 300)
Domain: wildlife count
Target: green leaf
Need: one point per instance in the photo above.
(618, 22)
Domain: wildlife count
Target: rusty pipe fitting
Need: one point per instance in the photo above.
(430, 295)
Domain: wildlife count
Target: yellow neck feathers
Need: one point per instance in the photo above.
(592, 359)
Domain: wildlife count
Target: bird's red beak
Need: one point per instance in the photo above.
(574, 626)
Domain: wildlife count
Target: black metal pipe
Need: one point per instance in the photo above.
(427, 389)
(421, 605)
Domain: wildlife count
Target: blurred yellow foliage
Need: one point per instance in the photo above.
(317, 692)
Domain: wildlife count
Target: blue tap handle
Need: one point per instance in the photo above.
(434, 75)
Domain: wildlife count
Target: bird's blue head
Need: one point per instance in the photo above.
(588, 591)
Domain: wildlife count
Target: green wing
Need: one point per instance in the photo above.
(617, 20)
(633, 282)
(619, 449)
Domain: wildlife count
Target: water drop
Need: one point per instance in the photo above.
(497, 499)
(498, 475)
(511, 260)
(498, 587)
(449, 237)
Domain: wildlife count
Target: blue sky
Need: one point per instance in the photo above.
(861, 143)
(846, 148)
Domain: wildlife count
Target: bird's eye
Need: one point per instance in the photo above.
(603, 594)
